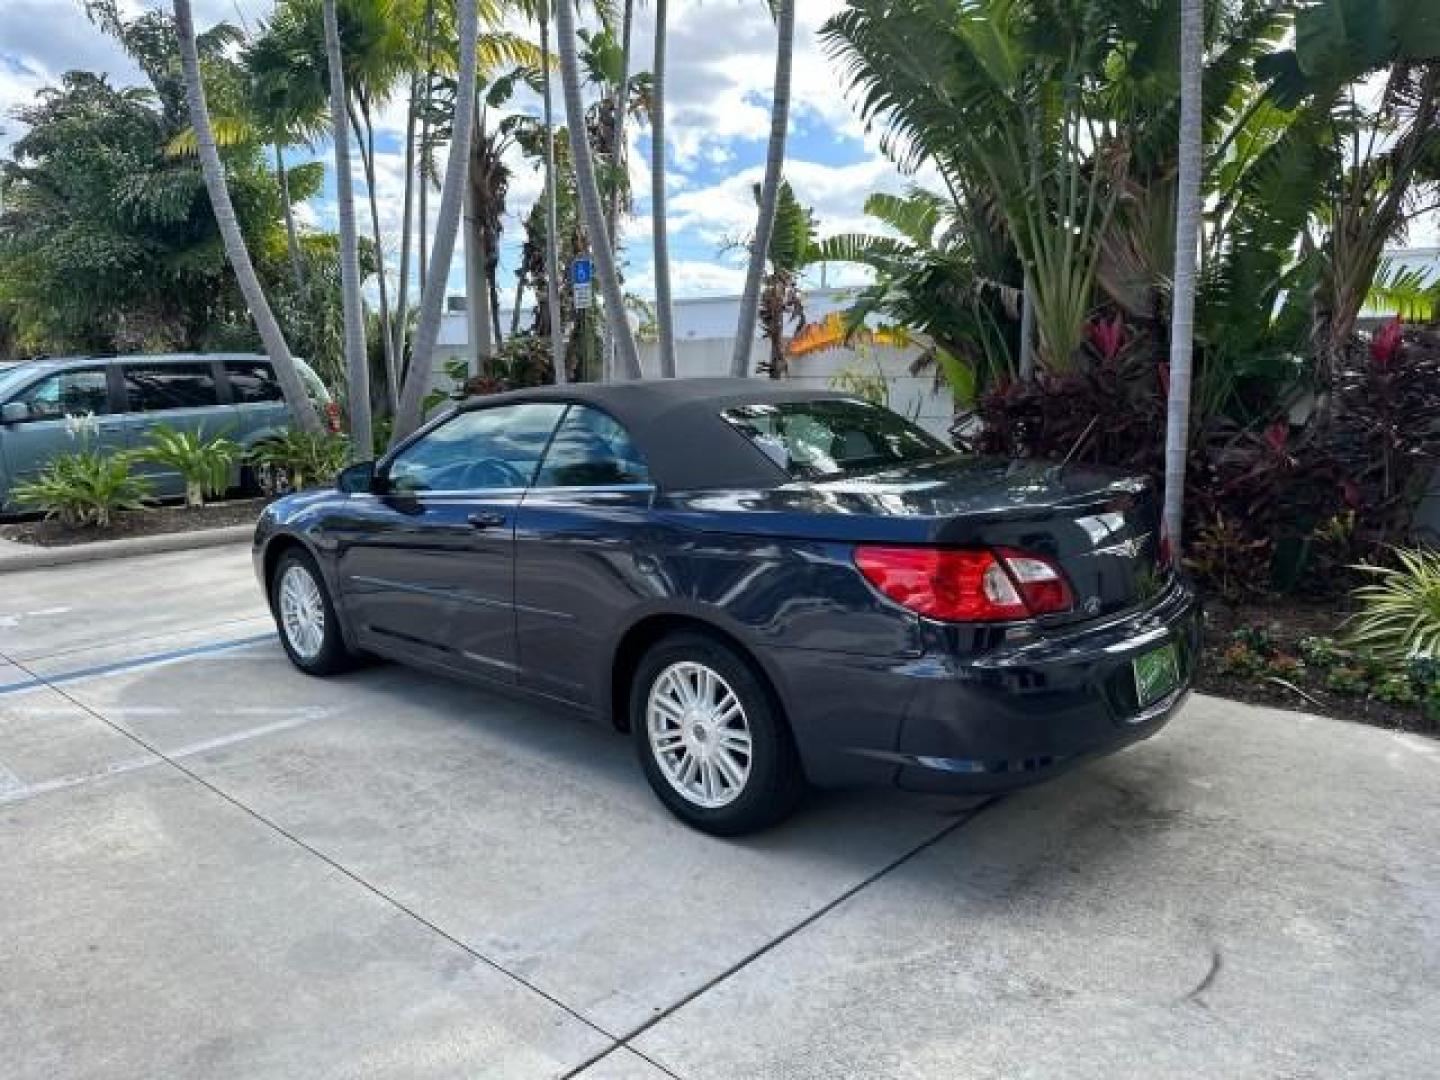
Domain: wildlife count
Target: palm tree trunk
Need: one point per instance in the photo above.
(618, 157)
(552, 214)
(1187, 235)
(622, 102)
(367, 157)
(478, 342)
(515, 310)
(402, 290)
(770, 192)
(1027, 331)
(432, 301)
(590, 207)
(664, 309)
(304, 414)
(292, 237)
(423, 220)
(477, 294)
(357, 366)
(492, 266)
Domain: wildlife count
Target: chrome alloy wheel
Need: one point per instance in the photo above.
(699, 734)
(302, 612)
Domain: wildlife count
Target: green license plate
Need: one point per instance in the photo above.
(1157, 673)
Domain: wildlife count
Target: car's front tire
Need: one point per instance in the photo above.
(712, 740)
(305, 616)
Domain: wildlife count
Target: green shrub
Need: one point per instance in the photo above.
(1399, 615)
(204, 464)
(85, 488)
(1241, 661)
(1256, 638)
(1396, 690)
(1347, 680)
(302, 458)
(1322, 652)
(1284, 666)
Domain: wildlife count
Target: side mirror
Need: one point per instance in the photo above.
(14, 412)
(356, 479)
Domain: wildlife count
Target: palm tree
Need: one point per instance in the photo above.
(432, 300)
(477, 284)
(770, 192)
(357, 368)
(1187, 237)
(664, 310)
(591, 210)
(622, 106)
(552, 214)
(304, 414)
(619, 157)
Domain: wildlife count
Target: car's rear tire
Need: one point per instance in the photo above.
(305, 616)
(712, 740)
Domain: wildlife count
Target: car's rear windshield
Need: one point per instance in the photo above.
(832, 438)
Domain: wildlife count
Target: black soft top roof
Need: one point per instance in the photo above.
(676, 425)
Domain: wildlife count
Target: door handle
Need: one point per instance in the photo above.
(486, 520)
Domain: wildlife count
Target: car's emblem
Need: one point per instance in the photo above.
(1127, 549)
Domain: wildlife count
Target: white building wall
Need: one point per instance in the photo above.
(704, 340)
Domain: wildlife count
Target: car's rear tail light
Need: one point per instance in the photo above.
(965, 584)
(332, 417)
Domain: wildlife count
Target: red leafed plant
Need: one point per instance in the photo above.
(1386, 343)
(1107, 338)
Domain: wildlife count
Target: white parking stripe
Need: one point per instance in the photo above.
(19, 791)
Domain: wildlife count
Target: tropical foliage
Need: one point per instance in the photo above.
(1052, 129)
(299, 459)
(204, 464)
(83, 488)
(1399, 617)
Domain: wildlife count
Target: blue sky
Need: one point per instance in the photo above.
(720, 76)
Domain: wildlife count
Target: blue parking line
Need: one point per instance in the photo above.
(136, 662)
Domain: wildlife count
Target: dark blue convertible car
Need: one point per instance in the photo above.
(766, 585)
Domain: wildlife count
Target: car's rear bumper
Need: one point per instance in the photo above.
(1013, 716)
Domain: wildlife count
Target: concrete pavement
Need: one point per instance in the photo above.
(213, 866)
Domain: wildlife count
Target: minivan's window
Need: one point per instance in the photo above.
(252, 381)
(832, 438)
(478, 450)
(67, 393)
(154, 387)
(591, 449)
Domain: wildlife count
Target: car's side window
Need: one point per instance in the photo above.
(156, 387)
(477, 450)
(67, 393)
(591, 449)
(252, 382)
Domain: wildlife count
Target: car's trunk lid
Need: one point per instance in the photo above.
(1101, 528)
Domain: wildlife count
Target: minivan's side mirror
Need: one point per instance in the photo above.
(356, 479)
(14, 412)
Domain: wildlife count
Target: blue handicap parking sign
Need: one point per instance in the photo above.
(580, 271)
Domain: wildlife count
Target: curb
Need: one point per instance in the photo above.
(15, 556)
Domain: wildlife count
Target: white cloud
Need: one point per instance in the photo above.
(721, 69)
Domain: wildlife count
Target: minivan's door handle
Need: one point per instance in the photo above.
(485, 519)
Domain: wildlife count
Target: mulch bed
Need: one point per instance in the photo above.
(158, 519)
(1287, 622)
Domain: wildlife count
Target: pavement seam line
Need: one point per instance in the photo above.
(617, 1042)
(332, 863)
(784, 936)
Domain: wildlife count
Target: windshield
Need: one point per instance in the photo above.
(833, 438)
(12, 375)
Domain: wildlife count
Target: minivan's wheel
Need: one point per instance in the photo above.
(713, 743)
(305, 617)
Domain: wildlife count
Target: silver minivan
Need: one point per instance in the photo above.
(234, 395)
